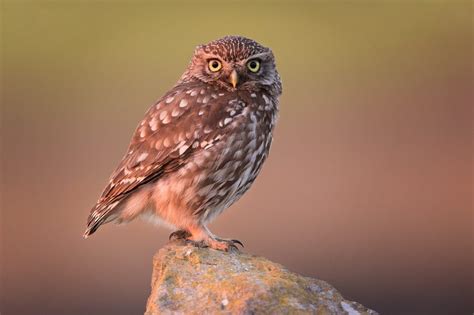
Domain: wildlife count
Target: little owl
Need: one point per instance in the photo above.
(199, 147)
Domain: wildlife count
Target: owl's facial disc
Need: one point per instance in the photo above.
(234, 74)
(234, 63)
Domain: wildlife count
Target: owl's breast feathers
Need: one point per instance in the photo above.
(188, 119)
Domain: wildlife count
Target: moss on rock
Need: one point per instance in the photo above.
(190, 280)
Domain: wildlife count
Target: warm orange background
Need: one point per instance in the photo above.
(368, 185)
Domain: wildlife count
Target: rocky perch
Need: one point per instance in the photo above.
(191, 280)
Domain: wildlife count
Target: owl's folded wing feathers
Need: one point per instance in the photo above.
(173, 129)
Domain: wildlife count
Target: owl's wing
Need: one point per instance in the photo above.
(184, 121)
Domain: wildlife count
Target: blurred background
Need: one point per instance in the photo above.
(368, 185)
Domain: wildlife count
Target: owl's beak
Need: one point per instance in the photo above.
(234, 78)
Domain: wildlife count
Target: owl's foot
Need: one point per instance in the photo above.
(184, 237)
(179, 235)
(223, 244)
(232, 243)
(201, 237)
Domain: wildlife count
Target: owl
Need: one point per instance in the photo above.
(200, 147)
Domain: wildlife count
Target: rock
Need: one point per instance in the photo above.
(191, 280)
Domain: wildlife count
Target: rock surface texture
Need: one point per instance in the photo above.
(191, 280)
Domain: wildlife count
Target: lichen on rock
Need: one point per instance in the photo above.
(191, 280)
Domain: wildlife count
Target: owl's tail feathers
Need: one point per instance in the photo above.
(99, 215)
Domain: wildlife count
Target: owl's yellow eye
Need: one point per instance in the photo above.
(214, 65)
(253, 65)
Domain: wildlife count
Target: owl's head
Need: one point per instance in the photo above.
(234, 62)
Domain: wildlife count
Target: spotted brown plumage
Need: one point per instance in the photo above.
(201, 146)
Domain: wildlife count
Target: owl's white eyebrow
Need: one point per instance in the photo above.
(210, 56)
(263, 55)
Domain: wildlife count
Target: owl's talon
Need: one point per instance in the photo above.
(230, 241)
(238, 242)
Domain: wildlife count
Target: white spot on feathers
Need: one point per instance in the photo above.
(175, 112)
(153, 124)
(128, 180)
(266, 99)
(164, 117)
(142, 157)
(183, 149)
(163, 114)
(183, 103)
